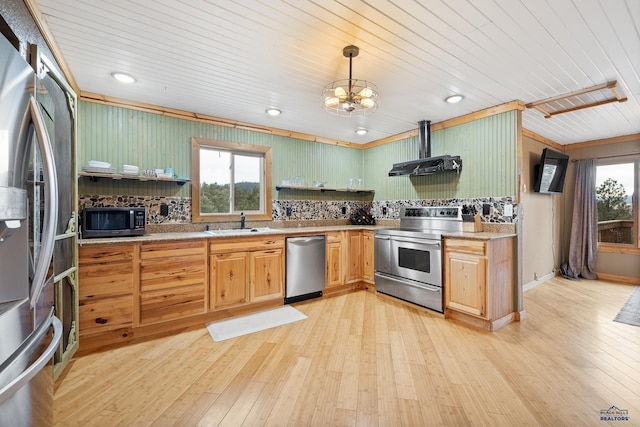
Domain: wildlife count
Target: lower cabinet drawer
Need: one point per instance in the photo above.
(170, 304)
(105, 314)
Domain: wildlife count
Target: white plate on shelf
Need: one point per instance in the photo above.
(90, 169)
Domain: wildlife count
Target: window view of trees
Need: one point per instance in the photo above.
(214, 198)
(230, 178)
(230, 182)
(614, 190)
(612, 201)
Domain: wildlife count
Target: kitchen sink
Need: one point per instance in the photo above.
(242, 232)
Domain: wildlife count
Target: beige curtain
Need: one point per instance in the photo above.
(584, 225)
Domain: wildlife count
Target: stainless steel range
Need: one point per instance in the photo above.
(408, 260)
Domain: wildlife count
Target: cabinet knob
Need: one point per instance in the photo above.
(101, 320)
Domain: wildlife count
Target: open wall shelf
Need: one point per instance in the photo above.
(321, 189)
(95, 177)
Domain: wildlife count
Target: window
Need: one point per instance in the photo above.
(616, 195)
(229, 179)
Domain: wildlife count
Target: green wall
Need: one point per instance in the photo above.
(488, 148)
(124, 136)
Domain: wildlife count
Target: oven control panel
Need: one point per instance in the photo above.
(451, 212)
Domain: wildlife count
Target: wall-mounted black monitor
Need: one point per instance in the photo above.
(551, 171)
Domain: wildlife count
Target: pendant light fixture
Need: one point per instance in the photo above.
(350, 97)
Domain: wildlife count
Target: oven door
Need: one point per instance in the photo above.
(416, 259)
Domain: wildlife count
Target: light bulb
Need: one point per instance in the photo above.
(331, 101)
(367, 102)
(366, 92)
(340, 92)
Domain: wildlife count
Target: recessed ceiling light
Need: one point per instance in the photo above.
(123, 77)
(454, 98)
(361, 131)
(273, 112)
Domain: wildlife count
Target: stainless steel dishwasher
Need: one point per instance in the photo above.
(305, 260)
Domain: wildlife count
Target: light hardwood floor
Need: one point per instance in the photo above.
(364, 359)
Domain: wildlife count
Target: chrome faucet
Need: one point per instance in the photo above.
(241, 220)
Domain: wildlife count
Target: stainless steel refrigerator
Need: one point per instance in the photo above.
(29, 330)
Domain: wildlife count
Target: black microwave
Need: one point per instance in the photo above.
(113, 222)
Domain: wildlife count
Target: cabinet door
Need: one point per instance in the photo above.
(267, 278)
(465, 286)
(335, 270)
(228, 277)
(355, 260)
(367, 256)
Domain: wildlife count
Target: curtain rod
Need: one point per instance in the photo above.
(630, 156)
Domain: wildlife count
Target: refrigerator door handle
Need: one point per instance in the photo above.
(41, 268)
(26, 375)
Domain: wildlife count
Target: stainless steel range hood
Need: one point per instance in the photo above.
(425, 164)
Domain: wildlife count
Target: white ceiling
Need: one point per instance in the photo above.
(234, 59)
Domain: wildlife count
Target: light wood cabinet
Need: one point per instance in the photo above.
(130, 290)
(106, 287)
(228, 275)
(349, 258)
(354, 256)
(173, 276)
(367, 256)
(479, 281)
(244, 271)
(267, 275)
(335, 259)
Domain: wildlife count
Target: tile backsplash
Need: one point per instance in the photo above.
(179, 208)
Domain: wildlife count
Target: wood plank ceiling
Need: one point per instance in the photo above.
(235, 59)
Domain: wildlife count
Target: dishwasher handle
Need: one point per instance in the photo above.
(305, 239)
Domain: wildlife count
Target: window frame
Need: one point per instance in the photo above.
(235, 148)
(625, 248)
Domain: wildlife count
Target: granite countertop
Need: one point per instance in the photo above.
(480, 235)
(496, 231)
(185, 235)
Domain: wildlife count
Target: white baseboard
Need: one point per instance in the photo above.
(535, 283)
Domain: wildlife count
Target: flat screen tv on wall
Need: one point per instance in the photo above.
(551, 171)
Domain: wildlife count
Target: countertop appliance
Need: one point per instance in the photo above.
(408, 259)
(113, 222)
(30, 333)
(306, 277)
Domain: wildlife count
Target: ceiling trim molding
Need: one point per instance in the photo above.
(390, 139)
(36, 14)
(542, 139)
(488, 112)
(606, 141)
(186, 115)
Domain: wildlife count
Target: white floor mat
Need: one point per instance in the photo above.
(242, 325)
